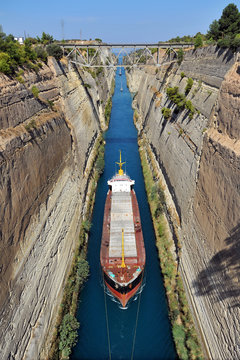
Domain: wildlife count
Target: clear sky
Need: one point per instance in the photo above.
(112, 21)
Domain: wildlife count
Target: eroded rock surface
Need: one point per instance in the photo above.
(200, 162)
(45, 145)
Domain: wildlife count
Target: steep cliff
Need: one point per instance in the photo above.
(46, 142)
(199, 161)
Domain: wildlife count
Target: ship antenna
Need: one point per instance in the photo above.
(120, 163)
(123, 263)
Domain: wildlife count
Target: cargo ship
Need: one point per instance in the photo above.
(122, 254)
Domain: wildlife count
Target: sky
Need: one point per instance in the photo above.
(112, 21)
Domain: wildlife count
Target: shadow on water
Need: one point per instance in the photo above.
(153, 338)
(222, 274)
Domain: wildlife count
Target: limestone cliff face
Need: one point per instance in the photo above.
(199, 159)
(44, 152)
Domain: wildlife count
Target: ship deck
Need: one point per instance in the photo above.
(124, 215)
(122, 218)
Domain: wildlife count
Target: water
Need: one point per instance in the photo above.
(153, 336)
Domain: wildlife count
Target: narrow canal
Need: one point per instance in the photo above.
(153, 334)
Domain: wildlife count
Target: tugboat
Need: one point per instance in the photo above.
(122, 254)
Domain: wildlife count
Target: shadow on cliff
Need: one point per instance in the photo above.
(222, 274)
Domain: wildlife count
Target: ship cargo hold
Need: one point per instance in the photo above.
(122, 254)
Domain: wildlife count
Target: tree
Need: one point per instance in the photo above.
(41, 53)
(229, 23)
(198, 41)
(213, 31)
(5, 63)
(46, 38)
(68, 334)
(55, 50)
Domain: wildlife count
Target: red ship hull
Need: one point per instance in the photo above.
(122, 282)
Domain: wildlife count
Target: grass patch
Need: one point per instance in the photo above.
(31, 125)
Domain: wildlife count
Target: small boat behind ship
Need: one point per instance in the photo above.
(122, 253)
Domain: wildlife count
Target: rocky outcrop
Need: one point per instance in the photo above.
(45, 145)
(199, 159)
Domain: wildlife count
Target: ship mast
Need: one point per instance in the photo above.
(120, 163)
(123, 263)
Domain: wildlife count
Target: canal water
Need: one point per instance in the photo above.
(153, 339)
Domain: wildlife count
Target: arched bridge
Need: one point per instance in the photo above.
(91, 54)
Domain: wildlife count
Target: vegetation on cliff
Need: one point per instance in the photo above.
(224, 32)
(184, 334)
(65, 335)
(180, 99)
(14, 55)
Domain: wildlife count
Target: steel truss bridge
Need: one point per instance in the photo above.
(90, 55)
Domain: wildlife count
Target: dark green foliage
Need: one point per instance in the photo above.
(45, 39)
(5, 63)
(98, 40)
(108, 109)
(86, 85)
(213, 31)
(100, 163)
(180, 99)
(166, 113)
(99, 71)
(225, 30)
(41, 53)
(198, 41)
(82, 271)
(14, 55)
(91, 51)
(189, 85)
(86, 224)
(55, 51)
(154, 50)
(30, 54)
(180, 55)
(229, 23)
(68, 334)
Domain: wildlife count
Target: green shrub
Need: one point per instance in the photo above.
(166, 113)
(5, 63)
(82, 271)
(68, 334)
(189, 85)
(99, 71)
(55, 51)
(31, 125)
(182, 75)
(108, 109)
(86, 224)
(180, 56)
(87, 85)
(41, 53)
(198, 41)
(35, 91)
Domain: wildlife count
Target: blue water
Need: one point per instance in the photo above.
(153, 335)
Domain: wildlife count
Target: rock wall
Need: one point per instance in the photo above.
(199, 159)
(45, 145)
